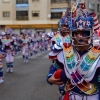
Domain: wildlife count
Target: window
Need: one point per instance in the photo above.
(56, 15)
(6, 14)
(21, 15)
(21, 1)
(35, 13)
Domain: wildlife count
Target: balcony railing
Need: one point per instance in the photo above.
(56, 15)
(60, 1)
(21, 17)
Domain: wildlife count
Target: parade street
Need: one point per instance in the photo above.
(28, 81)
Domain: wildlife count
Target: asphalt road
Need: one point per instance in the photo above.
(28, 81)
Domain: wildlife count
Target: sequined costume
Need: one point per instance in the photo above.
(80, 69)
(8, 46)
(25, 46)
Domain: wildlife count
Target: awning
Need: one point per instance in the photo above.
(22, 5)
(58, 9)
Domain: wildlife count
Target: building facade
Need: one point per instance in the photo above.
(38, 15)
(92, 6)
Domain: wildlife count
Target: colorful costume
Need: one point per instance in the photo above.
(8, 46)
(25, 46)
(80, 69)
(30, 43)
(1, 57)
(14, 37)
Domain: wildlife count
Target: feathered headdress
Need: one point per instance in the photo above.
(29, 31)
(81, 19)
(8, 30)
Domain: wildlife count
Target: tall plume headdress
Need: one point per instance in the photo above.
(64, 19)
(81, 23)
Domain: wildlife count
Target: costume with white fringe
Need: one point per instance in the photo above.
(25, 45)
(8, 47)
(30, 37)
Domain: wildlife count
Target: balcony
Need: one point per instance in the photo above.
(22, 5)
(56, 15)
(21, 17)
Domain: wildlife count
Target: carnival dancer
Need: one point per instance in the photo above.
(30, 37)
(81, 61)
(1, 57)
(43, 42)
(50, 40)
(19, 38)
(41, 45)
(14, 37)
(56, 48)
(36, 46)
(25, 45)
(45, 45)
(8, 45)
